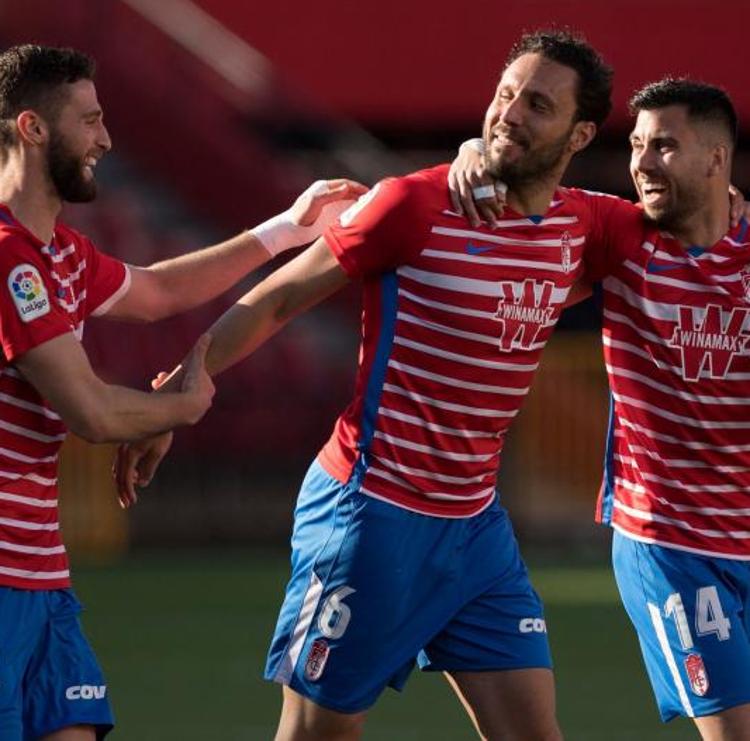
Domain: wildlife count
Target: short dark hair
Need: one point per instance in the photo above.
(703, 102)
(594, 93)
(32, 76)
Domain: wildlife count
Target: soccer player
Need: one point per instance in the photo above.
(401, 549)
(676, 328)
(51, 279)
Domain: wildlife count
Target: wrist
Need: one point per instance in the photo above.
(279, 233)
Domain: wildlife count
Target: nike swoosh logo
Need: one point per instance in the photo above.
(474, 249)
(661, 268)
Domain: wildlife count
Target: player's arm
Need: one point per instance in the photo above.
(295, 287)
(99, 412)
(173, 286)
(476, 194)
(300, 284)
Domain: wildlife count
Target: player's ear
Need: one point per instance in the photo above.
(581, 136)
(31, 127)
(720, 159)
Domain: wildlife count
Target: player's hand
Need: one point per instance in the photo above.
(135, 465)
(473, 192)
(324, 201)
(196, 383)
(738, 207)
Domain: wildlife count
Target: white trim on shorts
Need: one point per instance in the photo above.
(299, 633)
(661, 635)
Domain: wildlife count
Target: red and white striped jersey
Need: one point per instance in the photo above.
(45, 291)
(676, 329)
(454, 321)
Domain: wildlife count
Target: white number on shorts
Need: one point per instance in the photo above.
(709, 616)
(674, 606)
(335, 615)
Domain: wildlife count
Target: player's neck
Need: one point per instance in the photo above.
(31, 197)
(704, 227)
(532, 199)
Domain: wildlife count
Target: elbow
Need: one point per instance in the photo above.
(90, 425)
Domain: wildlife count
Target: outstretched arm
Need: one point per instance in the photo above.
(173, 286)
(101, 412)
(300, 284)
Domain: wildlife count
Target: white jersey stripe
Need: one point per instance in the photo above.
(31, 550)
(409, 445)
(465, 359)
(450, 381)
(445, 307)
(553, 267)
(691, 444)
(16, 456)
(430, 475)
(496, 239)
(471, 286)
(486, 339)
(691, 421)
(72, 277)
(679, 462)
(30, 501)
(51, 526)
(28, 406)
(34, 477)
(442, 429)
(37, 575)
(31, 434)
(699, 398)
(449, 406)
(674, 282)
(653, 517)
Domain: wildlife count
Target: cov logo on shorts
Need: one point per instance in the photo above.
(28, 292)
(316, 659)
(697, 675)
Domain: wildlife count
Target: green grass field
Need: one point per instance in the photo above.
(183, 637)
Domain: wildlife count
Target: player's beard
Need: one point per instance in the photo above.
(533, 165)
(66, 171)
(684, 201)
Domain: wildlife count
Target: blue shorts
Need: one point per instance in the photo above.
(376, 587)
(692, 615)
(49, 676)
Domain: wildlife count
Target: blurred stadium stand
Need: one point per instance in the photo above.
(221, 112)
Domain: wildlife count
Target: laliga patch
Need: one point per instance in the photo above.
(316, 659)
(697, 676)
(28, 292)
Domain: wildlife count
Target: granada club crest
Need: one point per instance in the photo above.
(745, 278)
(316, 659)
(697, 676)
(565, 252)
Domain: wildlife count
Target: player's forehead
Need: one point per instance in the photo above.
(535, 73)
(670, 122)
(80, 99)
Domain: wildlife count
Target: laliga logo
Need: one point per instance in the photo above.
(26, 285)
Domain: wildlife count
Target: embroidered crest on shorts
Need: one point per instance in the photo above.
(28, 292)
(316, 659)
(697, 675)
